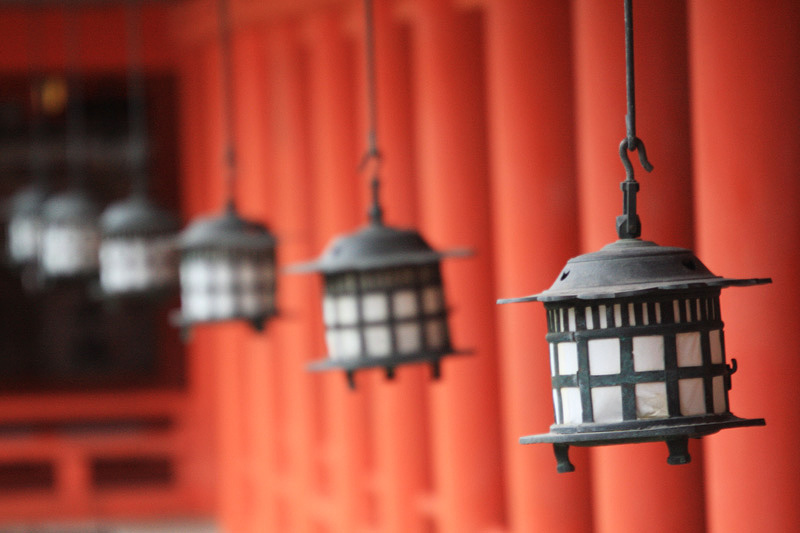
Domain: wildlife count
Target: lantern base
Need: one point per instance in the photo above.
(177, 319)
(674, 432)
(350, 366)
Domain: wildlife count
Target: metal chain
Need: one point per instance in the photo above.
(229, 154)
(628, 224)
(373, 153)
(137, 110)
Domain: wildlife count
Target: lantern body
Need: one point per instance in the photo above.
(637, 350)
(24, 238)
(385, 313)
(227, 271)
(138, 253)
(70, 236)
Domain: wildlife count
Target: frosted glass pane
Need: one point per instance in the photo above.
(435, 334)
(617, 315)
(688, 310)
(329, 310)
(589, 318)
(603, 317)
(645, 315)
(249, 303)
(347, 310)
(604, 356)
(631, 314)
(432, 300)
(658, 312)
(567, 358)
(651, 400)
(718, 388)
(693, 400)
(224, 305)
(648, 353)
(561, 319)
(607, 404)
(379, 341)
(408, 338)
(349, 343)
(571, 404)
(332, 341)
(556, 410)
(24, 237)
(571, 319)
(405, 304)
(247, 273)
(688, 346)
(552, 359)
(676, 310)
(221, 273)
(715, 340)
(375, 306)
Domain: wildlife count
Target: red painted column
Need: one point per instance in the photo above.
(745, 59)
(529, 77)
(297, 332)
(399, 417)
(454, 209)
(336, 184)
(657, 496)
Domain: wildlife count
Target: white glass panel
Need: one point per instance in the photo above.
(567, 358)
(718, 390)
(194, 274)
(688, 346)
(221, 273)
(347, 309)
(405, 304)
(379, 341)
(435, 334)
(408, 338)
(676, 310)
(249, 303)
(375, 306)
(693, 400)
(604, 356)
(648, 353)
(715, 340)
(247, 273)
(589, 318)
(349, 343)
(329, 310)
(645, 315)
(571, 404)
(607, 404)
(561, 319)
(198, 305)
(69, 250)
(603, 317)
(556, 410)
(24, 236)
(697, 308)
(651, 400)
(617, 315)
(631, 314)
(571, 318)
(224, 305)
(688, 310)
(552, 359)
(332, 340)
(432, 300)
(658, 312)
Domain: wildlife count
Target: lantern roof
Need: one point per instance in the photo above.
(137, 215)
(226, 231)
(630, 267)
(376, 246)
(74, 204)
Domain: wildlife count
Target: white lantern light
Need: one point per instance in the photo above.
(25, 225)
(70, 236)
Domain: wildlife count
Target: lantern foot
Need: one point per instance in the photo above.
(351, 379)
(436, 369)
(562, 457)
(678, 451)
(389, 372)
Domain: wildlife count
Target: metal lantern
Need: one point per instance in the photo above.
(70, 236)
(227, 271)
(383, 303)
(637, 350)
(25, 225)
(138, 250)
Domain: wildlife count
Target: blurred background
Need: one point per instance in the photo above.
(500, 122)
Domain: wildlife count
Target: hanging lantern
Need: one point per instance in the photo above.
(637, 350)
(25, 225)
(383, 303)
(138, 253)
(227, 265)
(70, 235)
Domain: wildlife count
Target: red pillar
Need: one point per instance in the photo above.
(529, 78)
(399, 417)
(335, 160)
(454, 208)
(296, 331)
(745, 59)
(665, 498)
